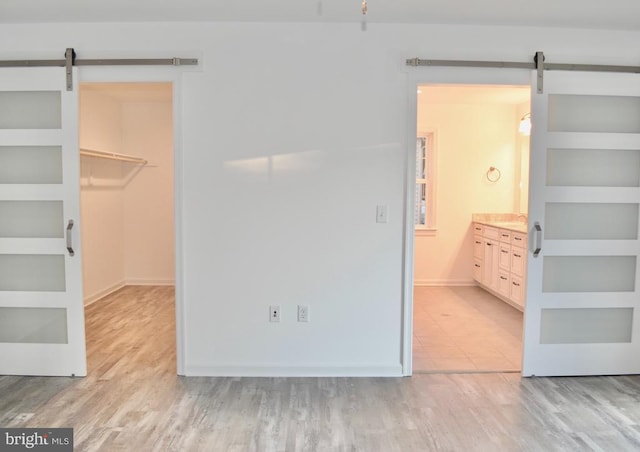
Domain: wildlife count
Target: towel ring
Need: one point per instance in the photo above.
(493, 175)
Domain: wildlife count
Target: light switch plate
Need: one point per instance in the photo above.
(381, 213)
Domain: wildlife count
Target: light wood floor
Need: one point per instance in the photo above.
(132, 401)
(464, 329)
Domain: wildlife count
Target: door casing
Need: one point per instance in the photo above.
(141, 74)
(415, 77)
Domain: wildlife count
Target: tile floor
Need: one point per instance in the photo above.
(464, 329)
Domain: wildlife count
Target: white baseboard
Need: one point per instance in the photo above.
(129, 282)
(103, 293)
(150, 282)
(444, 282)
(293, 371)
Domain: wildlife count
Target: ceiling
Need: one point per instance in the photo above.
(594, 14)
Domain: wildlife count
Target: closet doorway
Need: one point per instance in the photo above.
(127, 213)
(471, 159)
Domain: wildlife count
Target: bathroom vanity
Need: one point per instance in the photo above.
(500, 257)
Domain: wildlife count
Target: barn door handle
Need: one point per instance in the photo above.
(70, 238)
(538, 230)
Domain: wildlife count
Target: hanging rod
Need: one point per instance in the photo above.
(70, 60)
(537, 63)
(113, 156)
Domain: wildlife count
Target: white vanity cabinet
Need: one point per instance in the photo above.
(499, 262)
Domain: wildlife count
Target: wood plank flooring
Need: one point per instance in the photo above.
(133, 401)
(464, 329)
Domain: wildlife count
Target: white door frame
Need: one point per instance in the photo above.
(433, 75)
(150, 74)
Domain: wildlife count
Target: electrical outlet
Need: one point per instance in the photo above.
(274, 313)
(303, 313)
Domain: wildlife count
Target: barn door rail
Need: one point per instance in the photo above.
(70, 60)
(538, 64)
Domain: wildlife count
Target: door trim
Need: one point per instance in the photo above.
(104, 74)
(415, 77)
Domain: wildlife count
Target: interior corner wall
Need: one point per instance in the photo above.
(148, 199)
(127, 210)
(101, 204)
(470, 139)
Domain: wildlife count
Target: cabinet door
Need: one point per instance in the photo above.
(477, 270)
(504, 283)
(487, 268)
(517, 261)
(495, 264)
(517, 290)
(478, 247)
(505, 257)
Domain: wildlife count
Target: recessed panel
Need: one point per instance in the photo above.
(31, 219)
(593, 168)
(33, 325)
(586, 326)
(30, 165)
(30, 110)
(589, 274)
(32, 272)
(596, 221)
(588, 113)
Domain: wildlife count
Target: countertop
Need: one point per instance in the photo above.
(510, 225)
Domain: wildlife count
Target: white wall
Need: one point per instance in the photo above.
(127, 211)
(523, 144)
(292, 133)
(148, 198)
(102, 212)
(471, 137)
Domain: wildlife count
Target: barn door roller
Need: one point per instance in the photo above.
(538, 64)
(70, 60)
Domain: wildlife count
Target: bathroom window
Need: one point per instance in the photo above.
(424, 208)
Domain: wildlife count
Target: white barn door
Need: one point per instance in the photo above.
(582, 313)
(41, 306)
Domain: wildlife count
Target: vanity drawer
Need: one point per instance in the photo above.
(505, 235)
(519, 239)
(491, 233)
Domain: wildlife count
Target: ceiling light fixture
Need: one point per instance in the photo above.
(364, 7)
(525, 125)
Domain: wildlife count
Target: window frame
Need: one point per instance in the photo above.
(429, 182)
